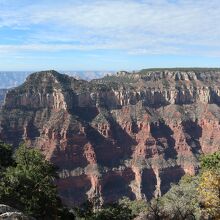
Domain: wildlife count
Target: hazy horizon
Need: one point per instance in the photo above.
(116, 70)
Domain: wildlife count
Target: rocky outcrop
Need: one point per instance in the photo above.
(2, 95)
(8, 213)
(130, 134)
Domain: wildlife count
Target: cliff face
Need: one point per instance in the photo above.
(2, 95)
(123, 135)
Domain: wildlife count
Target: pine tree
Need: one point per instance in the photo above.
(29, 185)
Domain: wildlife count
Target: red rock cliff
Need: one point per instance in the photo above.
(123, 135)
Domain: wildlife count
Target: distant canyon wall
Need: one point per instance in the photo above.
(130, 134)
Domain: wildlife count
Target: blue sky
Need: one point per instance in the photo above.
(108, 34)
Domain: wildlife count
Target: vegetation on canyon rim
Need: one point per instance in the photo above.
(27, 183)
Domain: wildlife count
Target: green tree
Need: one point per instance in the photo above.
(6, 153)
(211, 162)
(85, 211)
(155, 210)
(114, 211)
(181, 201)
(209, 185)
(29, 185)
(137, 207)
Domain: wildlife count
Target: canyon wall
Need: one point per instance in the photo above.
(130, 134)
(2, 95)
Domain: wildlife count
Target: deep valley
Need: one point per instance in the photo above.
(129, 134)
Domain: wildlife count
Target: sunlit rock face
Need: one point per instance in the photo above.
(130, 134)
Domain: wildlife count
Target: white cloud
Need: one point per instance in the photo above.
(49, 47)
(137, 27)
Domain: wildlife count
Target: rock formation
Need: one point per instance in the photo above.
(130, 134)
(9, 213)
(2, 96)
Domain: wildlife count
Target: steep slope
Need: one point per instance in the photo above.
(2, 95)
(131, 134)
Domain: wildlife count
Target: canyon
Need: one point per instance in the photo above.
(2, 95)
(128, 134)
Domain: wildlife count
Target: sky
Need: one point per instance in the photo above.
(108, 34)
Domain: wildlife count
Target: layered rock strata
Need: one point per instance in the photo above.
(131, 134)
